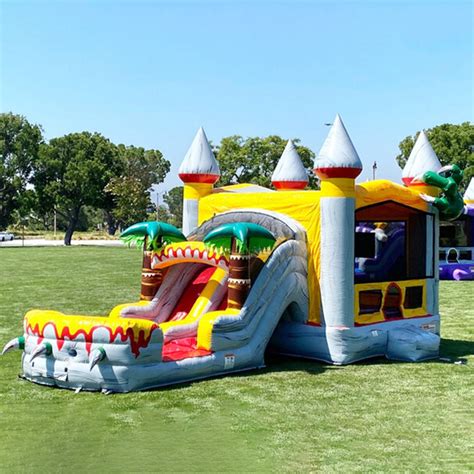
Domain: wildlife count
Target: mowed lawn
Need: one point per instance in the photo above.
(293, 416)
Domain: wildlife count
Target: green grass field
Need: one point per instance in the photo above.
(295, 415)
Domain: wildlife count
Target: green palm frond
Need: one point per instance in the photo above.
(133, 241)
(249, 237)
(157, 235)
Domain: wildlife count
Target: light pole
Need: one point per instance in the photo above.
(54, 223)
(374, 169)
(158, 204)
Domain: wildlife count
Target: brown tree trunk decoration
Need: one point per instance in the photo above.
(239, 278)
(151, 279)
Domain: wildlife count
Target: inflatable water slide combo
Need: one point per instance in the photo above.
(456, 245)
(338, 275)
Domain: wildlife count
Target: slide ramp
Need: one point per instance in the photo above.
(168, 340)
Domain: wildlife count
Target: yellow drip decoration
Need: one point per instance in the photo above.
(136, 331)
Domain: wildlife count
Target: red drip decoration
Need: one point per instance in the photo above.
(135, 345)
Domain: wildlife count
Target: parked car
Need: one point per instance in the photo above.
(4, 236)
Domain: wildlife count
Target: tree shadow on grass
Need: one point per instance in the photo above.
(275, 363)
(280, 363)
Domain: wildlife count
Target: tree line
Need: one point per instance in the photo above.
(85, 180)
(70, 175)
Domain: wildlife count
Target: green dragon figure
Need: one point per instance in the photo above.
(450, 204)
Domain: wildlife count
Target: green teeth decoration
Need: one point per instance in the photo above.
(250, 238)
(156, 234)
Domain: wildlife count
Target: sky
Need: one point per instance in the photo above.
(150, 73)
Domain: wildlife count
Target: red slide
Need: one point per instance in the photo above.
(178, 349)
(191, 294)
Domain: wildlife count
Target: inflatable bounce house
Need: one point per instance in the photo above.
(338, 275)
(456, 244)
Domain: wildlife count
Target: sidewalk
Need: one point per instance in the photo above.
(59, 243)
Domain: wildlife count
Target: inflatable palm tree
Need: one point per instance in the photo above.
(151, 236)
(240, 239)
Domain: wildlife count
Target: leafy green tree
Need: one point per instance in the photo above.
(454, 145)
(130, 190)
(19, 146)
(93, 218)
(253, 160)
(174, 200)
(71, 172)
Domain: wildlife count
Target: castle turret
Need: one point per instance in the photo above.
(290, 172)
(337, 165)
(199, 171)
(469, 193)
(469, 199)
(422, 159)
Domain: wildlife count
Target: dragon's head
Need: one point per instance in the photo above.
(451, 171)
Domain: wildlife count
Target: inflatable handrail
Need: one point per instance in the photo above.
(210, 297)
(206, 326)
(277, 283)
